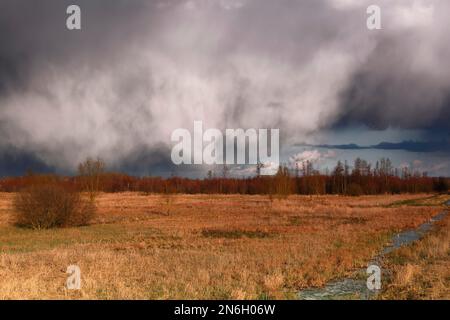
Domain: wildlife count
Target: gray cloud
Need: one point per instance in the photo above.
(139, 69)
(442, 146)
(16, 162)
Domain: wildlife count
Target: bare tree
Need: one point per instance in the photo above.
(225, 171)
(168, 198)
(90, 172)
(259, 166)
(282, 183)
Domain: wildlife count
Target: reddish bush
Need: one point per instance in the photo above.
(51, 205)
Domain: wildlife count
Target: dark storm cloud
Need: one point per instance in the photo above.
(33, 32)
(14, 162)
(404, 82)
(147, 162)
(395, 100)
(139, 69)
(411, 146)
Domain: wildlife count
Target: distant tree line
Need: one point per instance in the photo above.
(360, 179)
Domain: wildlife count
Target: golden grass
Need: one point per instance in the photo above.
(202, 246)
(422, 270)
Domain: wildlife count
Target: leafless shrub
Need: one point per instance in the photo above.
(168, 198)
(168, 201)
(50, 206)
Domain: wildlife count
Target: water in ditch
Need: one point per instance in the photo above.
(356, 288)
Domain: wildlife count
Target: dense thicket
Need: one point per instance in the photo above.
(360, 179)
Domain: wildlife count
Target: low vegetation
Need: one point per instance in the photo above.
(427, 201)
(208, 247)
(50, 205)
(422, 270)
(362, 179)
(234, 234)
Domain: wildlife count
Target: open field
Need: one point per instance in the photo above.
(218, 246)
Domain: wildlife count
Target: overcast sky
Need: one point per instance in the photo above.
(140, 69)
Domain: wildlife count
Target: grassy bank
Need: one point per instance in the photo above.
(422, 270)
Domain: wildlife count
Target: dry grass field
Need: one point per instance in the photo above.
(211, 247)
(422, 270)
